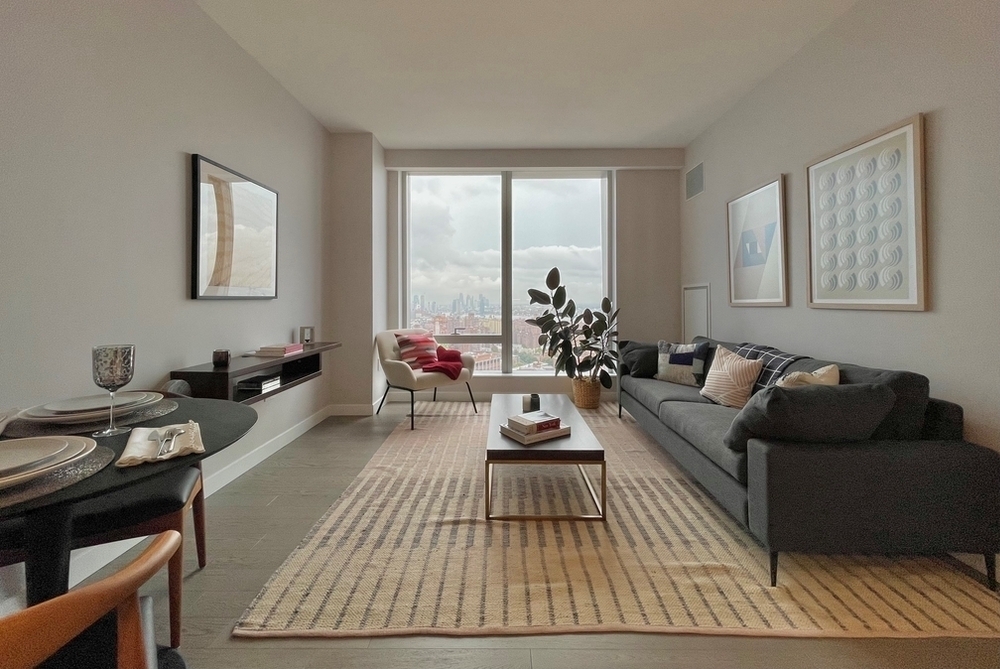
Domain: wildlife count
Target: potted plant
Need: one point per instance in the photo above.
(583, 345)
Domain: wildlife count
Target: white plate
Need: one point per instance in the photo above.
(20, 455)
(38, 414)
(79, 447)
(94, 403)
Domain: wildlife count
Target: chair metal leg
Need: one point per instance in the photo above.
(435, 394)
(411, 410)
(383, 399)
(774, 568)
(471, 397)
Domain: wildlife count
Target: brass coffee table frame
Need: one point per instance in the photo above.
(580, 448)
(601, 504)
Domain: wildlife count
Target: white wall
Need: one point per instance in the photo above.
(101, 104)
(648, 241)
(881, 62)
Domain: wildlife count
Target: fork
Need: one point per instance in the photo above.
(173, 437)
(155, 435)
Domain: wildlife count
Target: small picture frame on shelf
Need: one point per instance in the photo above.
(307, 334)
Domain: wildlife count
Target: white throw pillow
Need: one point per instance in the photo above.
(731, 378)
(824, 376)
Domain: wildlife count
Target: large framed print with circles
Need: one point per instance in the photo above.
(867, 247)
(234, 241)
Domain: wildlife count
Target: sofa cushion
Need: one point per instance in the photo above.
(650, 392)
(824, 376)
(731, 379)
(905, 420)
(713, 345)
(705, 427)
(639, 360)
(681, 363)
(816, 413)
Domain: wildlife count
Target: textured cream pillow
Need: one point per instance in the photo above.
(824, 376)
(731, 378)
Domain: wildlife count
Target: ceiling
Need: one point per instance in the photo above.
(460, 74)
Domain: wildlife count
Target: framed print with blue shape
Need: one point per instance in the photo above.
(756, 232)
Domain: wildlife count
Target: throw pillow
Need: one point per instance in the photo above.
(731, 378)
(812, 414)
(824, 376)
(681, 363)
(417, 350)
(641, 360)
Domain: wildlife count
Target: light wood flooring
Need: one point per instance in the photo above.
(256, 521)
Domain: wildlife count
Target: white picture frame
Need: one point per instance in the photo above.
(755, 231)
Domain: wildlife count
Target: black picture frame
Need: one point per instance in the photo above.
(246, 267)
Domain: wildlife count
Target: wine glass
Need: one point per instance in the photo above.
(113, 367)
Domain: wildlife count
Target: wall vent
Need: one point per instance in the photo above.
(695, 181)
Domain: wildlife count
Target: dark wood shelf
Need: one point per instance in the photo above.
(206, 380)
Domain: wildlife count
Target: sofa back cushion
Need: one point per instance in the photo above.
(638, 359)
(905, 419)
(817, 413)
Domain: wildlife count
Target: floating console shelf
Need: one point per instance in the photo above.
(220, 382)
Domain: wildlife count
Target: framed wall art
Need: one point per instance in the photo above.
(867, 245)
(235, 234)
(756, 233)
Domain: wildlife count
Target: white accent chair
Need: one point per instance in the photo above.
(400, 375)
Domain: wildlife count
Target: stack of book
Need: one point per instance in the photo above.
(278, 350)
(533, 427)
(260, 384)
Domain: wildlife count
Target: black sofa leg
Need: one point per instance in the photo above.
(411, 410)
(383, 399)
(435, 394)
(991, 570)
(619, 409)
(774, 568)
(471, 397)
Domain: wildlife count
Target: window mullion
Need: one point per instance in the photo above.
(507, 262)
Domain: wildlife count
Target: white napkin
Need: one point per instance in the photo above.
(6, 416)
(140, 449)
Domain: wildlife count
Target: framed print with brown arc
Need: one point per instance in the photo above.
(756, 233)
(867, 245)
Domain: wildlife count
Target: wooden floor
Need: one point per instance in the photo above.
(256, 521)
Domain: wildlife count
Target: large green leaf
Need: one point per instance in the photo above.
(559, 297)
(542, 339)
(586, 365)
(588, 316)
(552, 280)
(599, 328)
(548, 325)
(570, 367)
(605, 379)
(606, 305)
(538, 297)
(570, 309)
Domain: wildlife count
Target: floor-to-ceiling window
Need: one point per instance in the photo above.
(477, 242)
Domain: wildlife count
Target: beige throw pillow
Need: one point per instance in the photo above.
(731, 378)
(824, 376)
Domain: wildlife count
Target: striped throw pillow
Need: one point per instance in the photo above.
(417, 350)
(731, 379)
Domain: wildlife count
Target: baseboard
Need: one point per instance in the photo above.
(87, 561)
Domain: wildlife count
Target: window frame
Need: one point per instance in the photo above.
(507, 177)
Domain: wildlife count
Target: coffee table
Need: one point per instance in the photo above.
(580, 448)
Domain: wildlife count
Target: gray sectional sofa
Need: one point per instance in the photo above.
(914, 487)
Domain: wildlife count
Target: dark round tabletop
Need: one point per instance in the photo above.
(222, 424)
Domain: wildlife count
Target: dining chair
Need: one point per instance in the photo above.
(399, 374)
(32, 635)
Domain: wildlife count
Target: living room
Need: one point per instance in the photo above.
(109, 99)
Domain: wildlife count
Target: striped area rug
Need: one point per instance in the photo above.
(405, 550)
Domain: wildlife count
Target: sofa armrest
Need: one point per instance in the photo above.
(874, 496)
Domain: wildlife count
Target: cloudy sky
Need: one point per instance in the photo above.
(455, 236)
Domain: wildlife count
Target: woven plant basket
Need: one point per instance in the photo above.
(586, 394)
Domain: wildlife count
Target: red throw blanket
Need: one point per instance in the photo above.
(449, 363)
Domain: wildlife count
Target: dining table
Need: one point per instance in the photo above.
(49, 517)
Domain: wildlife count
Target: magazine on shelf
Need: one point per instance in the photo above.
(279, 350)
(528, 439)
(533, 422)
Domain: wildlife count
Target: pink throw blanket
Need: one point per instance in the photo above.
(449, 363)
